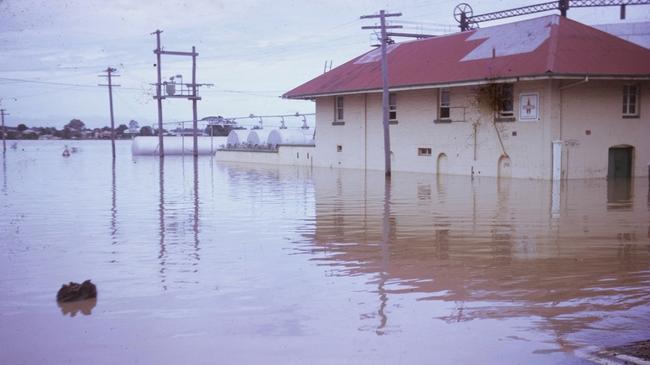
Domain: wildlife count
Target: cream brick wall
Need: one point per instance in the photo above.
(563, 114)
(596, 106)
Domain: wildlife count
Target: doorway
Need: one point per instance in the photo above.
(504, 169)
(620, 162)
(441, 165)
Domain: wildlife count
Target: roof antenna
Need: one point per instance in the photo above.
(326, 67)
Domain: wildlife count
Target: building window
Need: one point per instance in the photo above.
(506, 101)
(424, 151)
(630, 100)
(392, 107)
(444, 111)
(338, 115)
(339, 148)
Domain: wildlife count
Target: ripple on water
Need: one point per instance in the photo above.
(268, 263)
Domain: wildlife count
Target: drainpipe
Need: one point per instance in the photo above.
(584, 81)
(365, 132)
(561, 88)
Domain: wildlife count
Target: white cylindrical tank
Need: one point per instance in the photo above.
(258, 137)
(142, 146)
(290, 137)
(236, 137)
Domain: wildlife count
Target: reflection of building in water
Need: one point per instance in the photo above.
(498, 250)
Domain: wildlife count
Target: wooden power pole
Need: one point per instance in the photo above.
(384, 78)
(158, 96)
(194, 99)
(109, 74)
(193, 95)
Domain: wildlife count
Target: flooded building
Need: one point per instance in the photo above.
(544, 98)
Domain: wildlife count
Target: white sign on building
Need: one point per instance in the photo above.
(529, 107)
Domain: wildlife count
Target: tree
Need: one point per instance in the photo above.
(133, 125)
(120, 129)
(146, 131)
(21, 127)
(75, 124)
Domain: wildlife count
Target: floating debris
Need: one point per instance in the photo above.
(74, 292)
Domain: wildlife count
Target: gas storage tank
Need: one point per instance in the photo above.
(290, 137)
(142, 146)
(237, 137)
(258, 137)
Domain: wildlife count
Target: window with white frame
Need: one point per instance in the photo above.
(506, 101)
(444, 111)
(392, 107)
(338, 109)
(630, 100)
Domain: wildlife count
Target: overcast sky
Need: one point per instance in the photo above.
(52, 51)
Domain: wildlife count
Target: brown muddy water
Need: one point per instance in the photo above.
(200, 262)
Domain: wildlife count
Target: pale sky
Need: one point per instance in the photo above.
(52, 51)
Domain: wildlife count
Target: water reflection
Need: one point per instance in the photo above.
(113, 205)
(162, 253)
(4, 173)
(179, 223)
(388, 232)
(195, 226)
(619, 193)
(291, 258)
(73, 308)
(490, 248)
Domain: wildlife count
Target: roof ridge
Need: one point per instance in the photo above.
(552, 47)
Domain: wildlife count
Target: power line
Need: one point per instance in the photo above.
(259, 93)
(57, 83)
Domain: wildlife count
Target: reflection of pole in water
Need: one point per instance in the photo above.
(387, 232)
(113, 205)
(161, 210)
(4, 174)
(196, 209)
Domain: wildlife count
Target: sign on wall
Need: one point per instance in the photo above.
(529, 106)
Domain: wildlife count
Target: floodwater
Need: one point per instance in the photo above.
(201, 262)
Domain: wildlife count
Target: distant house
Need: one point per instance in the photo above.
(544, 98)
(186, 132)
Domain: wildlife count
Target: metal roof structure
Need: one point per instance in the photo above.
(539, 48)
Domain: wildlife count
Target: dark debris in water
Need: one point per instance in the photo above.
(75, 291)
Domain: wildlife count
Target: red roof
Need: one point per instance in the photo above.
(539, 47)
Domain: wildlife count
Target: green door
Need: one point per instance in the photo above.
(620, 162)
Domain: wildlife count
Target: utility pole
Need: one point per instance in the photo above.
(384, 78)
(158, 96)
(194, 98)
(4, 143)
(109, 74)
(184, 94)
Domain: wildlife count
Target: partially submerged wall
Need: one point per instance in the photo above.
(422, 142)
(585, 117)
(283, 155)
